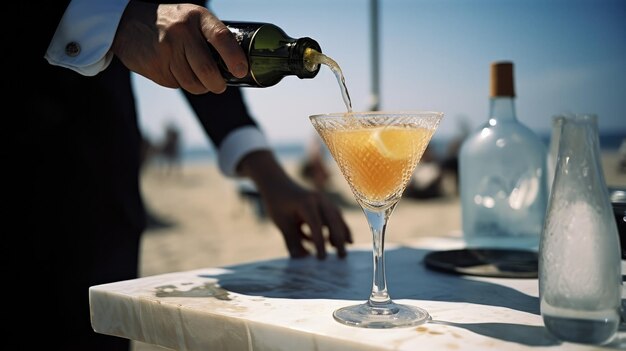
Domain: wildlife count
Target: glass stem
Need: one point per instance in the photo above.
(377, 220)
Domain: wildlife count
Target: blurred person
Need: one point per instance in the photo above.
(170, 149)
(313, 168)
(74, 157)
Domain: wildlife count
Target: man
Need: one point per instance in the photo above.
(74, 188)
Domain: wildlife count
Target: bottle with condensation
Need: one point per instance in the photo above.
(580, 277)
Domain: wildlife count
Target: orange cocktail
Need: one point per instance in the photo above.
(377, 153)
(377, 161)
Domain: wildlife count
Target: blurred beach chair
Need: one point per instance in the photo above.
(426, 179)
(425, 182)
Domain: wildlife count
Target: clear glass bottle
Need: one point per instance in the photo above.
(502, 174)
(272, 55)
(580, 278)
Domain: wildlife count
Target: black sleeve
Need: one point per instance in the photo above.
(48, 14)
(220, 114)
(25, 53)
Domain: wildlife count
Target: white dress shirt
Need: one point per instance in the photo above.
(83, 39)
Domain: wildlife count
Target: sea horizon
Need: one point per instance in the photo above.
(296, 151)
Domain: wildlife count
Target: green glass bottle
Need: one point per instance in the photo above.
(272, 55)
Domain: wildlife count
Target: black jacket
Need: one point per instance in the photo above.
(71, 152)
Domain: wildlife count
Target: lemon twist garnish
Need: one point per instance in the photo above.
(393, 143)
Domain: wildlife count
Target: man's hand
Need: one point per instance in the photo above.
(291, 206)
(168, 44)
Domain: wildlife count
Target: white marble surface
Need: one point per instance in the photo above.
(287, 304)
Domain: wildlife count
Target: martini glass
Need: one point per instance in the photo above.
(377, 153)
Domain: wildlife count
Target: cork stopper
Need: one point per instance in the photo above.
(502, 79)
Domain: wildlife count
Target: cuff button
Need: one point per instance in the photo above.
(72, 49)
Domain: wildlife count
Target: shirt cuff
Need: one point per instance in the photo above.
(238, 144)
(83, 39)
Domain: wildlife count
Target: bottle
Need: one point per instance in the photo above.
(580, 278)
(272, 55)
(502, 175)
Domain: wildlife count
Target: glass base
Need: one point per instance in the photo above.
(391, 316)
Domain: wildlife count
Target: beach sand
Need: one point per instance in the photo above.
(207, 223)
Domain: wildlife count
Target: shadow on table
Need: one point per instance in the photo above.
(351, 279)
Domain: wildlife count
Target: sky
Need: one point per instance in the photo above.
(568, 55)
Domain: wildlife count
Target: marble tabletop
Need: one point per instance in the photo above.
(285, 304)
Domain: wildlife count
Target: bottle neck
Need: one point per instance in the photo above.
(502, 108)
(297, 63)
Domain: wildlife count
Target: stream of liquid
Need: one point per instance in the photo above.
(315, 57)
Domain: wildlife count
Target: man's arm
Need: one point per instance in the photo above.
(243, 151)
